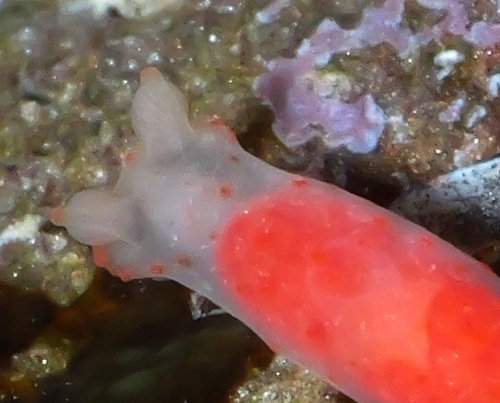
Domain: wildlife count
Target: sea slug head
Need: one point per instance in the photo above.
(159, 119)
(174, 188)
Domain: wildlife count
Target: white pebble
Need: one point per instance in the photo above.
(133, 9)
(25, 229)
(453, 113)
(446, 60)
(474, 116)
(30, 112)
(494, 84)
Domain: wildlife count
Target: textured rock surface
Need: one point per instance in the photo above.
(66, 83)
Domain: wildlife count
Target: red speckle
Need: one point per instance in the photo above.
(299, 181)
(427, 241)
(157, 269)
(185, 261)
(58, 215)
(458, 269)
(315, 331)
(129, 156)
(381, 222)
(101, 256)
(217, 121)
(219, 124)
(122, 272)
(224, 191)
(150, 73)
(213, 235)
(233, 158)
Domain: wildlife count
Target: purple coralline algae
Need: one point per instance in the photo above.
(303, 112)
(453, 112)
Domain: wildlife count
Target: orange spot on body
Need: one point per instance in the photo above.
(157, 269)
(150, 73)
(224, 191)
(427, 241)
(122, 272)
(381, 222)
(185, 261)
(101, 255)
(316, 331)
(219, 124)
(58, 215)
(458, 269)
(125, 275)
(299, 181)
(129, 156)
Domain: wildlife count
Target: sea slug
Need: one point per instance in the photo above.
(380, 307)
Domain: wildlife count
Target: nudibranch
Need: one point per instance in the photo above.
(378, 306)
